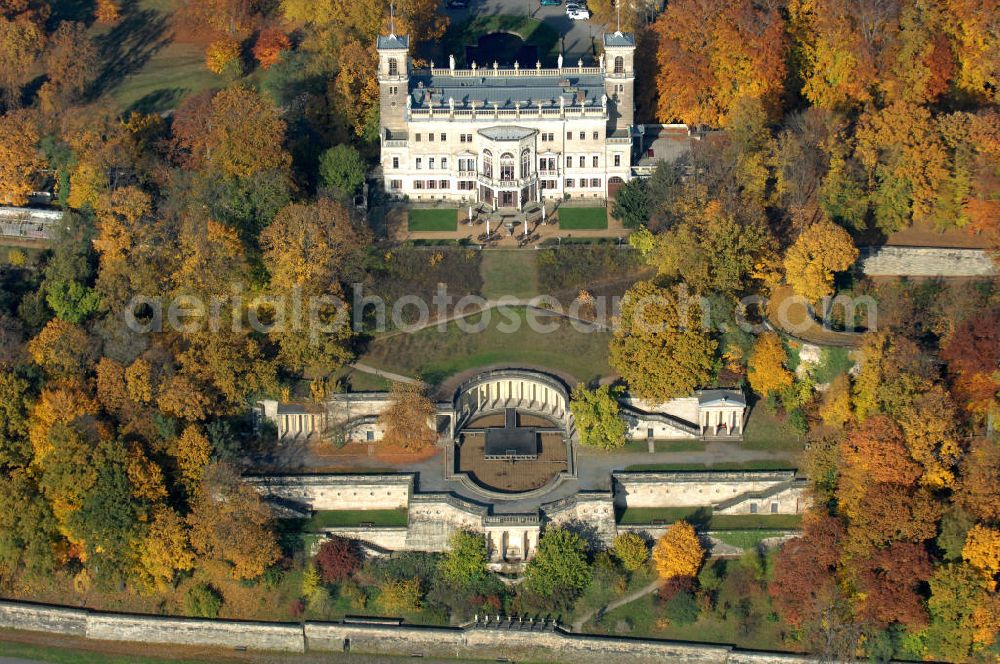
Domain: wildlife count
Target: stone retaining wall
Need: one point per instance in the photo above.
(926, 262)
(508, 640)
(696, 489)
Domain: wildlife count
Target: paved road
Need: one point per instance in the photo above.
(579, 37)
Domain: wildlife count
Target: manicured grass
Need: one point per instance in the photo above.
(703, 519)
(762, 464)
(582, 219)
(352, 518)
(746, 539)
(171, 74)
(645, 515)
(747, 521)
(507, 338)
(360, 381)
(68, 656)
(445, 219)
(531, 30)
(833, 362)
(509, 273)
(639, 445)
(764, 431)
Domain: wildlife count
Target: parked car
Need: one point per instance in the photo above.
(578, 13)
(550, 3)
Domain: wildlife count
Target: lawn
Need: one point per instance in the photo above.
(511, 273)
(497, 337)
(531, 30)
(762, 464)
(765, 431)
(833, 362)
(360, 381)
(746, 539)
(703, 519)
(353, 518)
(434, 219)
(582, 219)
(68, 656)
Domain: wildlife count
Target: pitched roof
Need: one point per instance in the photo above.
(620, 39)
(504, 91)
(394, 42)
(721, 397)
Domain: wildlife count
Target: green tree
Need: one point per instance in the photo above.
(633, 204)
(464, 564)
(342, 171)
(957, 590)
(660, 346)
(28, 529)
(15, 402)
(597, 417)
(203, 601)
(72, 301)
(631, 550)
(559, 570)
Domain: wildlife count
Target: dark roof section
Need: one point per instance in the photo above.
(614, 39)
(503, 91)
(511, 440)
(394, 42)
(720, 397)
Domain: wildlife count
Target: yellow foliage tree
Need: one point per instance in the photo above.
(820, 250)
(400, 596)
(107, 12)
(164, 550)
(59, 404)
(246, 134)
(62, 349)
(766, 368)
(982, 550)
(221, 55)
(139, 381)
(192, 452)
(20, 159)
(405, 420)
(836, 406)
(631, 550)
(145, 476)
(111, 385)
(678, 552)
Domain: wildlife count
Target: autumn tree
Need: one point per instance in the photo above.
(192, 452)
(712, 55)
(229, 522)
(270, 44)
(407, 420)
(20, 158)
(21, 43)
(766, 368)
(660, 345)
(811, 261)
(29, 536)
(957, 591)
(982, 551)
(164, 551)
(71, 62)
(398, 596)
(337, 559)
(678, 552)
(63, 349)
(631, 550)
(978, 486)
(15, 404)
(972, 353)
(107, 12)
(835, 408)
(890, 583)
(804, 583)
(222, 56)
(245, 134)
(597, 417)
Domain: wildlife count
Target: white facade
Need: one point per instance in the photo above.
(506, 136)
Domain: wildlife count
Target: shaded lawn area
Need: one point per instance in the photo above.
(766, 431)
(643, 616)
(494, 337)
(582, 219)
(703, 518)
(512, 273)
(68, 656)
(746, 539)
(353, 518)
(833, 362)
(531, 30)
(433, 219)
(762, 464)
(360, 381)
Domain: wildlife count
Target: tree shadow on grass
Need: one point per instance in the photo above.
(158, 100)
(129, 45)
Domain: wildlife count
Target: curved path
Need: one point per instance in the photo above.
(611, 606)
(789, 313)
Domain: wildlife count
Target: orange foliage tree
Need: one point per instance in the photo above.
(270, 44)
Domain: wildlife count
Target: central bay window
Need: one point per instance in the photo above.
(525, 163)
(506, 166)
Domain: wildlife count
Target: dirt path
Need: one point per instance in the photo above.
(611, 606)
(789, 313)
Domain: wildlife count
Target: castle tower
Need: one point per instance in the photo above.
(619, 79)
(393, 82)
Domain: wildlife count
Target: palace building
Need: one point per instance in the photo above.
(506, 137)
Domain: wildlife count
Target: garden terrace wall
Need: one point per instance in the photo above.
(196, 632)
(696, 489)
(338, 492)
(926, 262)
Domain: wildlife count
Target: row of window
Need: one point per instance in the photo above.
(547, 137)
(467, 164)
(470, 185)
(444, 137)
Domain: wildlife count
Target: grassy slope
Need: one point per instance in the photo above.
(435, 355)
(510, 273)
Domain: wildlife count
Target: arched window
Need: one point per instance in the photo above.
(619, 65)
(525, 163)
(506, 166)
(487, 163)
(394, 67)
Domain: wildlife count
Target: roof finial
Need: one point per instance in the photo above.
(392, 19)
(618, 6)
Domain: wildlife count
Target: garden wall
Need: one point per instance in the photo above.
(695, 489)
(339, 492)
(509, 639)
(925, 262)
(388, 538)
